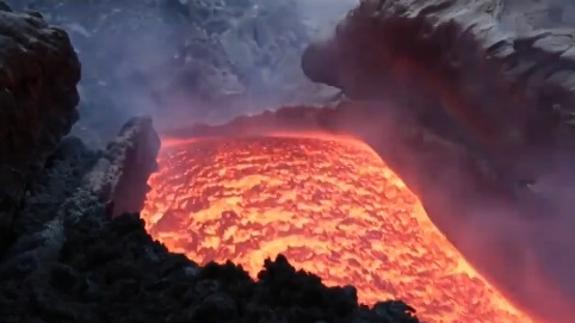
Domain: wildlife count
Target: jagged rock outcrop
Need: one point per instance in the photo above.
(494, 74)
(128, 163)
(38, 76)
(78, 183)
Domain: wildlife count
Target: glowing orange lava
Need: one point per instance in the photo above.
(331, 205)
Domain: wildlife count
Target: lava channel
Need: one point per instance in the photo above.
(331, 206)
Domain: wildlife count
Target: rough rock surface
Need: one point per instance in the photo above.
(111, 271)
(76, 183)
(492, 81)
(38, 76)
(502, 78)
(121, 176)
(133, 160)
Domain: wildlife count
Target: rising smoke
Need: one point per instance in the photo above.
(188, 61)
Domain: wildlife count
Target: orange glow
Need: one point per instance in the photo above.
(331, 205)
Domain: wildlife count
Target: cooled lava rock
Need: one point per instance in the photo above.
(496, 75)
(109, 270)
(38, 101)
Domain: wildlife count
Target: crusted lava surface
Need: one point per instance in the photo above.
(330, 204)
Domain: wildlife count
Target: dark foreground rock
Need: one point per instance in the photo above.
(78, 182)
(37, 102)
(111, 271)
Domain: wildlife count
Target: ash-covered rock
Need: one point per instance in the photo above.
(128, 162)
(109, 270)
(61, 177)
(37, 102)
(77, 183)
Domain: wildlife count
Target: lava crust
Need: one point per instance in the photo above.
(331, 205)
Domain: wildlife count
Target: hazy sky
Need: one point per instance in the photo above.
(324, 14)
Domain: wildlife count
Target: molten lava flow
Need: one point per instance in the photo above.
(331, 206)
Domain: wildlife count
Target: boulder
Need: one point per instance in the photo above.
(39, 71)
(496, 75)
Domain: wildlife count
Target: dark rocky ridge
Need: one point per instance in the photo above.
(37, 102)
(486, 73)
(111, 271)
(78, 183)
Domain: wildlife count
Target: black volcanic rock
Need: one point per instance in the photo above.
(60, 178)
(37, 102)
(496, 75)
(110, 270)
(74, 172)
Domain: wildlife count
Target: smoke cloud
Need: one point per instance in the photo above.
(188, 61)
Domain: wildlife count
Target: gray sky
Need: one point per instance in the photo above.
(324, 14)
